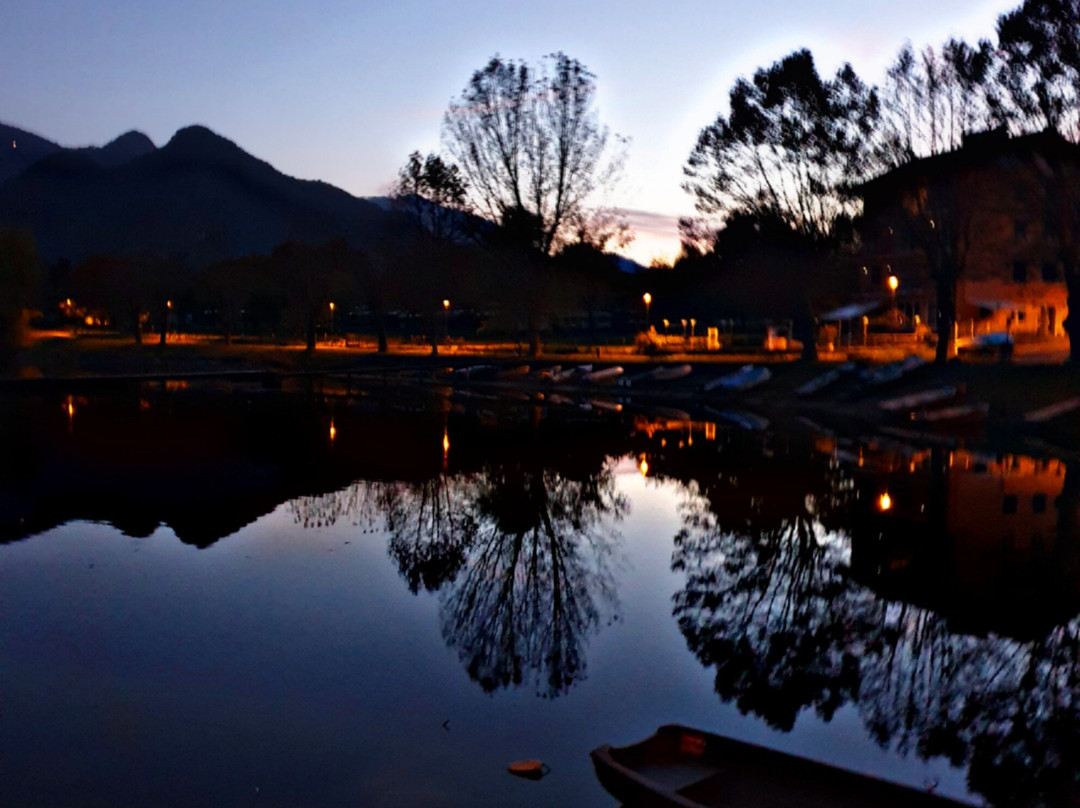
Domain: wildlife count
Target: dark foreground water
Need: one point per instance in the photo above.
(240, 598)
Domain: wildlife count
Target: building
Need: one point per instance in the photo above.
(991, 206)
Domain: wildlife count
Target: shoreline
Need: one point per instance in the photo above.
(1009, 389)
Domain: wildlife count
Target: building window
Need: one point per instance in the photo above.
(1049, 272)
(1019, 271)
(1009, 503)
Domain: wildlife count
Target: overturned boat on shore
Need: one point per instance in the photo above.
(745, 378)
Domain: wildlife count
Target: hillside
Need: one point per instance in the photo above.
(20, 149)
(200, 198)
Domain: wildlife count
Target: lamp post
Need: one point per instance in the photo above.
(894, 283)
(331, 320)
(648, 300)
(446, 319)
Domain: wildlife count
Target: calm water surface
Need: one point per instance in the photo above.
(241, 598)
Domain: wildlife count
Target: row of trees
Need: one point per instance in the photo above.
(525, 151)
(795, 148)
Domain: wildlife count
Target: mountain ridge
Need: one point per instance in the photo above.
(198, 199)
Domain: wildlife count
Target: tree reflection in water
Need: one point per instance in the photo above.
(770, 602)
(763, 582)
(538, 576)
(521, 555)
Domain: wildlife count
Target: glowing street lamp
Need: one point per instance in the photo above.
(884, 502)
(894, 283)
(446, 317)
(648, 301)
(331, 318)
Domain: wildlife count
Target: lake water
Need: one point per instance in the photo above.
(233, 597)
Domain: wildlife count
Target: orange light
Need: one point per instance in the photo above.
(446, 304)
(647, 298)
(643, 467)
(884, 502)
(445, 442)
(168, 304)
(331, 305)
(70, 408)
(88, 320)
(894, 282)
(333, 430)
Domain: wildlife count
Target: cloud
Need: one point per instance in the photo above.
(656, 235)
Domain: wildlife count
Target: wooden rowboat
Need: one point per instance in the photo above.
(679, 767)
(746, 377)
(603, 376)
(826, 379)
(920, 400)
(951, 416)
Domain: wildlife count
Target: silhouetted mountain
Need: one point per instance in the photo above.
(199, 199)
(19, 150)
(123, 149)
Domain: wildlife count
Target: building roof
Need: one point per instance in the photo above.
(978, 148)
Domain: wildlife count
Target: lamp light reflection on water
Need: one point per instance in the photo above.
(643, 467)
(333, 430)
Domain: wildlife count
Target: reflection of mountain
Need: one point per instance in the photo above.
(771, 603)
(208, 463)
(204, 466)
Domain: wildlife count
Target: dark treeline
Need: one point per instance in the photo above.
(509, 223)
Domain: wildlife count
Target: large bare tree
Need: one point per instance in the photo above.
(530, 148)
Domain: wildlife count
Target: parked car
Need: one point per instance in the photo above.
(997, 344)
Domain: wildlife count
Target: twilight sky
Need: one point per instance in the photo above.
(343, 91)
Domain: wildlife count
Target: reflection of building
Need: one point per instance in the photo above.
(992, 206)
(1005, 507)
(981, 540)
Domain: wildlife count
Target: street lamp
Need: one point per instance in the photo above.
(894, 283)
(446, 319)
(648, 300)
(331, 319)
